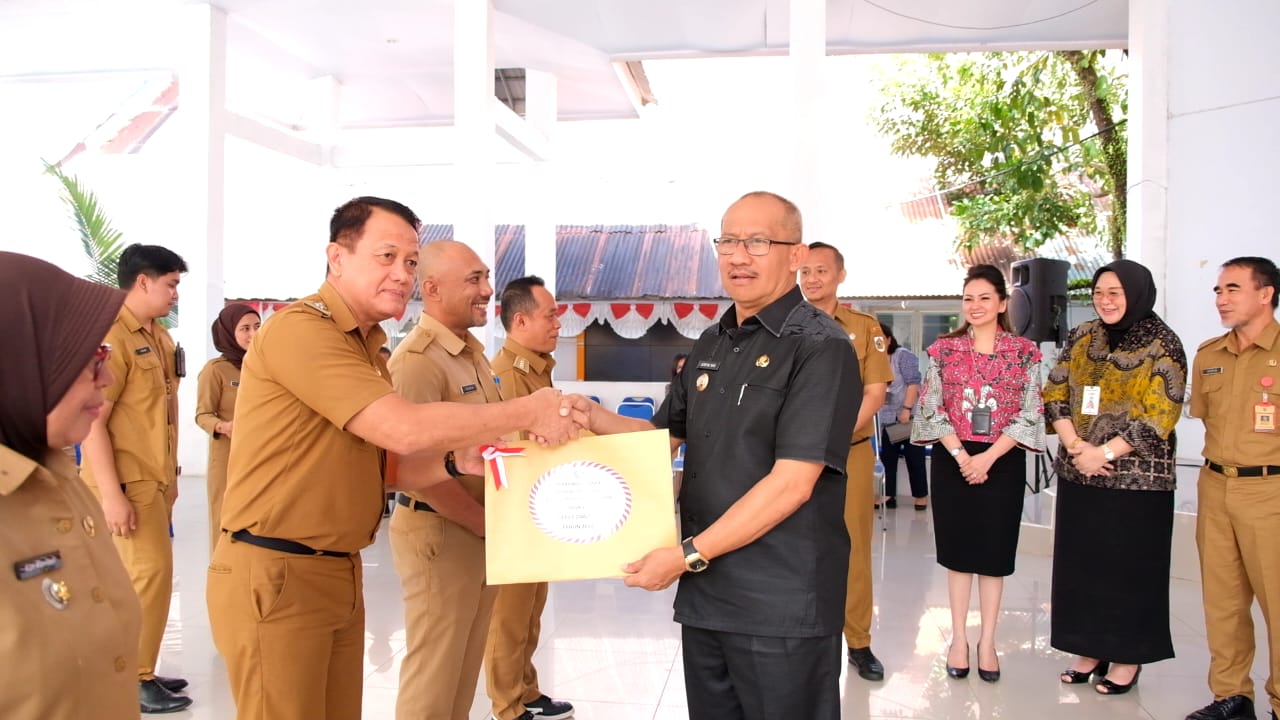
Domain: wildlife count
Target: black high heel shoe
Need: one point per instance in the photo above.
(1076, 677)
(1106, 687)
(959, 673)
(987, 675)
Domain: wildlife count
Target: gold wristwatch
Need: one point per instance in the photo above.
(693, 560)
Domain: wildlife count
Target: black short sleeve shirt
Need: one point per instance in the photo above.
(783, 385)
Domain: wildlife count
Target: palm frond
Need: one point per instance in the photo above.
(102, 243)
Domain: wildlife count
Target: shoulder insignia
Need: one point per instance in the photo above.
(879, 342)
(320, 307)
(521, 364)
(420, 341)
(1211, 341)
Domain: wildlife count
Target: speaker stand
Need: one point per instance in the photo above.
(1043, 473)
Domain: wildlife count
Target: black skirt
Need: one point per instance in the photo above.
(1111, 573)
(975, 527)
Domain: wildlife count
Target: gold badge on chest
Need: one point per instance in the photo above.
(762, 361)
(702, 382)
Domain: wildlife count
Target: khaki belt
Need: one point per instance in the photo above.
(1238, 471)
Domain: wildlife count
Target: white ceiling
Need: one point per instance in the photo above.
(393, 58)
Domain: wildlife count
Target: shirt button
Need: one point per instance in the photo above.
(737, 349)
(96, 594)
(721, 391)
(121, 664)
(63, 525)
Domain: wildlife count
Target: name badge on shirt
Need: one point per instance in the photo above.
(468, 389)
(1264, 416)
(708, 365)
(1092, 398)
(142, 350)
(38, 565)
(1211, 371)
(235, 383)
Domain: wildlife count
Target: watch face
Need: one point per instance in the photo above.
(697, 565)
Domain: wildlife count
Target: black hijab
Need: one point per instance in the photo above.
(224, 331)
(52, 323)
(1139, 297)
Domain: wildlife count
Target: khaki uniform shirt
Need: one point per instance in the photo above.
(871, 347)
(295, 473)
(143, 423)
(433, 365)
(521, 370)
(1226, 383)
(70, 617)
(216, 391)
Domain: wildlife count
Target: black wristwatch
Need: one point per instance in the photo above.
(450, 466)
(693, 560)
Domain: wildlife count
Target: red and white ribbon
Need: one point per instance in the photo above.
(493, 455)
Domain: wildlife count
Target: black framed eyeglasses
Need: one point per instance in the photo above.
(100, 359)
(755, 246)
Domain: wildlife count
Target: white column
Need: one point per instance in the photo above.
(201, 54)
(808, 51)
(473, 121)
(540, 225)
(1220, 80)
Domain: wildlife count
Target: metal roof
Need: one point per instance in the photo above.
(605, 262)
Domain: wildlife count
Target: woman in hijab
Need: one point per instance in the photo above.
(70, 616)
(1113, 399)
(216, 389)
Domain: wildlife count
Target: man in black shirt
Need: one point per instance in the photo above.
(766, 404)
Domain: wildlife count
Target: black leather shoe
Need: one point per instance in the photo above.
(155, 699)
(172, 684)
(1106, 686)
(1236, 707)
(868, 665)
(987, 675)
(1076, 677)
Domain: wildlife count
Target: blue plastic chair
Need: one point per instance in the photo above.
(595, 399)
(642, 410)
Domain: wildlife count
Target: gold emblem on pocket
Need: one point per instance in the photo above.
(57, 593)
(762, 361)
(702, 382)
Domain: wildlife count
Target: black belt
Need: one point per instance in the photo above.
(1234, 471)
(415, 505)
(282, 545)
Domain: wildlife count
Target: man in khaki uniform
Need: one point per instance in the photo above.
(437, 533)
(1234, 381)
(305, 489)
(131, 454)
(820, 276)
(523, 366)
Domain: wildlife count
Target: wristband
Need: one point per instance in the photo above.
(450, 466)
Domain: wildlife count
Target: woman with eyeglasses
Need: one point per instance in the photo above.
(1114, 398)
(216, 390)
(980, 408)
(70, 617)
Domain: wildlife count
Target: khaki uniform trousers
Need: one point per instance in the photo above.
(1238, 533)
(148, 557)
(508, 655)
(291, 630)
(446, 614)
(860, 495)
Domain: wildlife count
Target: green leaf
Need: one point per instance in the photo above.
(101, 242)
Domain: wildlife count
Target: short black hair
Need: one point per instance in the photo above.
(517, 297)
(825, 246)
(347, 223)
(1265, 274)
(150, 260)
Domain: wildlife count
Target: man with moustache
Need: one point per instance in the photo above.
(767, 403)
(131, 453)
(1233, 385)
(306, 477)
(822, 273)
(437, 532)
(523, 365)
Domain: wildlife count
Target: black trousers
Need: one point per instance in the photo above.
(916, 472)
(731, 676)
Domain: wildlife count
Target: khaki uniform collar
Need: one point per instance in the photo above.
(451, 343)
(1265, 340)
(338, 308)
(16, 468)
(539, 363)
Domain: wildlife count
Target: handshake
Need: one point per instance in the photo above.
(558, 418)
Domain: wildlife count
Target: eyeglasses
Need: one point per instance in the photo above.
(755, 246)
(100, 359)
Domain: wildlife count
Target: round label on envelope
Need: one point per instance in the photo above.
(580, 502)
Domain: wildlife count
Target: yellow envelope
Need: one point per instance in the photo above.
(579, 511)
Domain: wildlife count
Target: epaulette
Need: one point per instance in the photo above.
(419, 341)
(521, 363)
(320, 307)
(1212, 340)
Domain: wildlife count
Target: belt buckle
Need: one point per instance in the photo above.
(1230, 471)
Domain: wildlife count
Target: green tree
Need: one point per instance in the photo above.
(1029, 146)
(101, 242)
